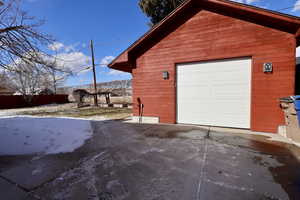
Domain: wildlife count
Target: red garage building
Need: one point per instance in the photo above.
(217, 63)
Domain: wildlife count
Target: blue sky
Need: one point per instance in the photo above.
(112, 24)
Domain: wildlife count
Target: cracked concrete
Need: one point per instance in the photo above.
(139, 161)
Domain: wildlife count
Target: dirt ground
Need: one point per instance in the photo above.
(126, 99)
(157, 162)
(121, 99)
(70, 110)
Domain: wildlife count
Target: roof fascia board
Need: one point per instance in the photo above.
(256, 9)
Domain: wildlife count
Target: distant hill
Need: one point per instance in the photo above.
(124, 87)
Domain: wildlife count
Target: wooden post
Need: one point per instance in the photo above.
(94, 73)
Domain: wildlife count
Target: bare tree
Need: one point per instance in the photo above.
(56, 73)
(30, 78)
(4, 80)
(53, 79)
(19, 35)
(26, 79)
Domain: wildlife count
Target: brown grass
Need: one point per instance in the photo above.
(86, 112)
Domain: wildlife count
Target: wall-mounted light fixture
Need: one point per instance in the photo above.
(268, 67)
(165, 75)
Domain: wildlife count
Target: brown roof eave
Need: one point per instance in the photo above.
(124, 67)
(297, 36)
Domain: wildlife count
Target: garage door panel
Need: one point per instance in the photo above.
(214, 93)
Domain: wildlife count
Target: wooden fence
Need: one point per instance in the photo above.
(18, 101)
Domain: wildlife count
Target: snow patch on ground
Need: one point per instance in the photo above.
(28, 135)
(6, 113)
(48, 108)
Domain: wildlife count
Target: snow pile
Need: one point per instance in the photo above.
(27, 135)
(6, 113)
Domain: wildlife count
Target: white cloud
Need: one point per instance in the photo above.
(71, 58)
(106, 60)
(56, 46)
(297, 6)
(251, 1)
(246, 1)
(116, 72)
(239, 1)
(75, 61)
(69, 48)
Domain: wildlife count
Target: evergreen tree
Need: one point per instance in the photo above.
(158, 9)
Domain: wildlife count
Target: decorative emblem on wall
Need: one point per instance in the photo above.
(268, 67)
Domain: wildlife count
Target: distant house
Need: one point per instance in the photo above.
(6, 91)
(216, 63)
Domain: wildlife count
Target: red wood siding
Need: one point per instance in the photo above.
(210, 36)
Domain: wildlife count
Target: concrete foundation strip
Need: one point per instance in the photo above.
(203, 165)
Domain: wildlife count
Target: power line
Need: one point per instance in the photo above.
(286, 8)
(295, 6)
(280, 9)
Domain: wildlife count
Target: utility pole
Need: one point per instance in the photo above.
(94, 73)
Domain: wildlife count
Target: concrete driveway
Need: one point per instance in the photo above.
(157, 162)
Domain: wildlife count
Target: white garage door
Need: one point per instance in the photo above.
(215, 93)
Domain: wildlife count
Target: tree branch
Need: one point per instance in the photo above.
(12, 28)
